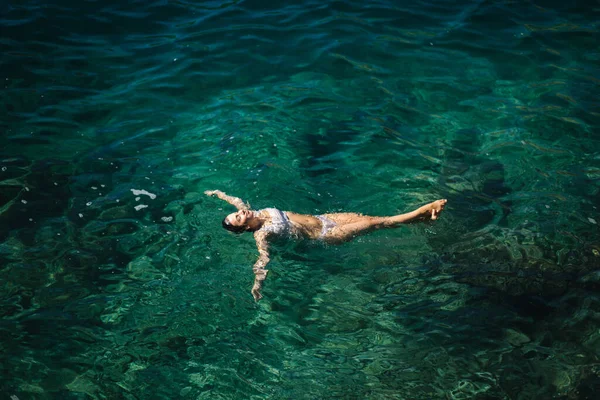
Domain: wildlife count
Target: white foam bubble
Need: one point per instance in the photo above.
(144, 192)
(139, 207)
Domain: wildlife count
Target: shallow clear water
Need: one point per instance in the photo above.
(314, 107)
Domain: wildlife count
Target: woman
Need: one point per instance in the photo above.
(331, 228)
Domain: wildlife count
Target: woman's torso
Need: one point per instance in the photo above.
(290, 223)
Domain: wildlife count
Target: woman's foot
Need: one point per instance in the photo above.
(433, 210)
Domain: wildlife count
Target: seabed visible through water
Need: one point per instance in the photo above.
(118, 282)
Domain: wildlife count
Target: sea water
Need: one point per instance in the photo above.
(117, 280)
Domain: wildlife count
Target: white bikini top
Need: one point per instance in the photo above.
(280, 223)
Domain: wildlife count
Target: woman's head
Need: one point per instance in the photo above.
(241, 221)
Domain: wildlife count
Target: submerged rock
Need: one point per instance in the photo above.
(143, 269)
(516, 338)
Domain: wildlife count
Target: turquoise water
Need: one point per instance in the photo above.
(373, 107)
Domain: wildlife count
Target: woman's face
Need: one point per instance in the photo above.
(240, 218)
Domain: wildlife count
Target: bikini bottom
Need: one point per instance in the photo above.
(326, 225)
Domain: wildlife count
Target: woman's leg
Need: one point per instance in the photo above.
(351, 225)
(427, 212)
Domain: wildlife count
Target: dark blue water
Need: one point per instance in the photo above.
(373, 107)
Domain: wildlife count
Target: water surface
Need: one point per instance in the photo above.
(313, 107)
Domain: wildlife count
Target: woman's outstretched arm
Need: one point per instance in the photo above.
(260, 273)
(234, 201)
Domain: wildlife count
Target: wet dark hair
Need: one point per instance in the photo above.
(233, 228)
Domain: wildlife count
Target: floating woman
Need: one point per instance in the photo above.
(330, 228)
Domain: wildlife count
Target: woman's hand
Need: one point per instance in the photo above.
(256, 292)
(234, 201)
